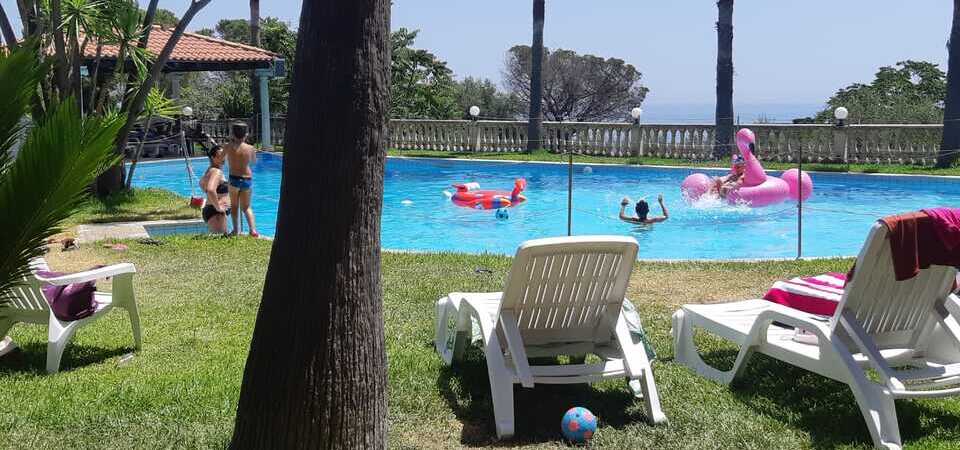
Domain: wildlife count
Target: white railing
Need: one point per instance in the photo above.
(881, 144)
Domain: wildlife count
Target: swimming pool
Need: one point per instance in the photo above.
(417, 216)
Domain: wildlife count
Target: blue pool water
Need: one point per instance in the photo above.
(418, 216)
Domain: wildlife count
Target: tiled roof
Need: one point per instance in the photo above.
(194, 47)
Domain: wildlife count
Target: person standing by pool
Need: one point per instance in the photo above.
(643, 211)
(214, 186)
(240, 156)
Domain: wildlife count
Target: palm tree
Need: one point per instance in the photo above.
(951, 111)
(535, 122)
(255, 41)
(724, 114)
(47, 180)
(316, 375)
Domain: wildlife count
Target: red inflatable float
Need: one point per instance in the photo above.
(469, 195)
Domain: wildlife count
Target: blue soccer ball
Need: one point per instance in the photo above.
(578, 425)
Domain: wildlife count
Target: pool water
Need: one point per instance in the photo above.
(418, 216)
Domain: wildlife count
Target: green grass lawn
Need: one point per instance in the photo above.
(546, 156)
(135, 205)
(198, 298)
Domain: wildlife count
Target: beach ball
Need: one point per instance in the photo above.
(578, 425)
(502, 214)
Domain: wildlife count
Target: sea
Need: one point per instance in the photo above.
(744, 113)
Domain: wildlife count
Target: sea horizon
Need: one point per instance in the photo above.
(744, 113)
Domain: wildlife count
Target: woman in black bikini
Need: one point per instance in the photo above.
(214, 185)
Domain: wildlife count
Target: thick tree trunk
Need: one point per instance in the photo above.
(316, 375)
(148, 17)
(951, 112)
(255, 41)
(723, 141)
(535, 122)
(112, 179)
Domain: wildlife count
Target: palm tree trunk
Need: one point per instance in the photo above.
(8, 35)
(723, 141)
(535, 122)
(138, 152)
(255, 41)
(60, 65)
(112, 180)
(951, 112)
(316, 373)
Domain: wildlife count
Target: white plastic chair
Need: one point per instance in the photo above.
(563, 296)
(26, 304)
(906, 331)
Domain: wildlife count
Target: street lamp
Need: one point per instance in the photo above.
(841, 114)
(474, 112)
(635, 113)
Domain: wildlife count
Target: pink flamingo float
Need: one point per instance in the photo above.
(757, 189)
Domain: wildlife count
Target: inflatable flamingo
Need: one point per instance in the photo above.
(757, 189)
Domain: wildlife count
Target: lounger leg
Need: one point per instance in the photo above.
(875, 402)
(58, 335)
(651, 398)
(686, 352)
(123, 297)
(501, 389)
(134, 313)
(445, 309)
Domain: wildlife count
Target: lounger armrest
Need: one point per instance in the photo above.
(90, 275)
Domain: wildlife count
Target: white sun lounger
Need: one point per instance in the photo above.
(563, 296)
(27, 304)
(906, 331)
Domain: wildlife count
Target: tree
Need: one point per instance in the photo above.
(535, 120)
(322, 299)
(423, 86)
(157, 106)
(908, 92)
(577, 87)
(165, 18)
(255, 41)
(950, 144)
(47, 180)
(492, 102)
(9, 37)
(234, 30)
(723, 119)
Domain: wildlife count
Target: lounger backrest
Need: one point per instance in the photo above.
(27, 296)
(892, 312)
(569, 289)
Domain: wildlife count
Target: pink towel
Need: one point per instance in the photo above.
(946, 223)
(816, 295)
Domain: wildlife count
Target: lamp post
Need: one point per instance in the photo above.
(841, 115)
(635, 113)
(474, 115)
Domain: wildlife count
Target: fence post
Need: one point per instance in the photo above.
(475, 136)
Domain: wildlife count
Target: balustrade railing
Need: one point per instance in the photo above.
(877, 144)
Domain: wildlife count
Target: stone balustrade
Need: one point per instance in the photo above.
(877, 144)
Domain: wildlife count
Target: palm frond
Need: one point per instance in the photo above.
(20, 73)
(48, 181)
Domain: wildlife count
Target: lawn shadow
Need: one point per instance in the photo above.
(31, 358)
(823, 408)
(466, 388)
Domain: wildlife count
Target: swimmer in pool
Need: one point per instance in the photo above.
(643, 210)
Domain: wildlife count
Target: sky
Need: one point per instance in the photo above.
(785, 52)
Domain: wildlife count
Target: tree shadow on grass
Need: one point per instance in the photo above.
(537, 412)
(824, 408)
(31, 358)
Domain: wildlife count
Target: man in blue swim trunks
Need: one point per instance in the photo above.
(240, 156)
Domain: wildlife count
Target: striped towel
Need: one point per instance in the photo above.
(816, 295)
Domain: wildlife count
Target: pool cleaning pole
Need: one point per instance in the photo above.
(570, 193)
(800, 205)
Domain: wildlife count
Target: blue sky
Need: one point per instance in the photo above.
(785, 52)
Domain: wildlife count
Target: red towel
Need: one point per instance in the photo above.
(946, 223)
(915, 244)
